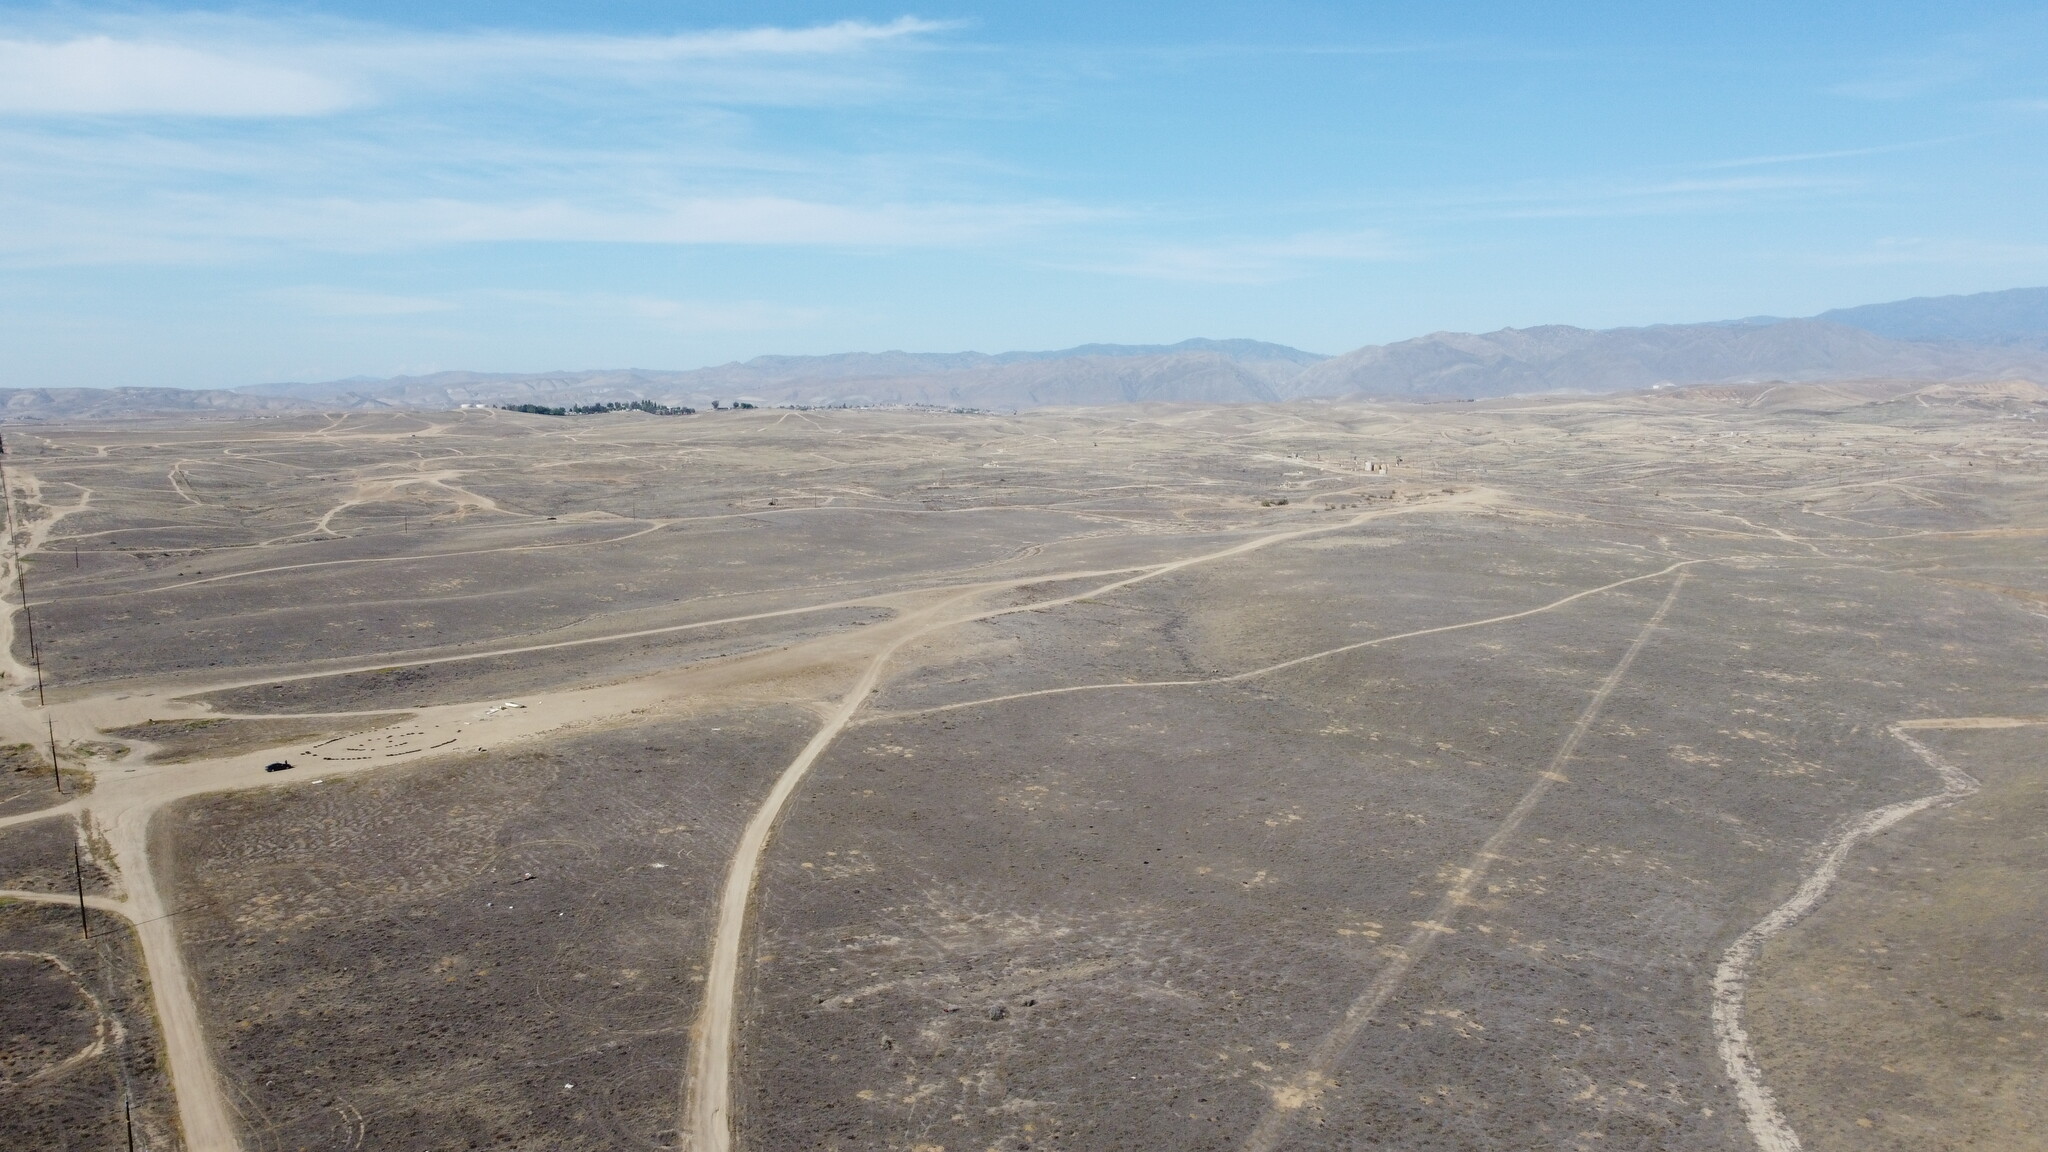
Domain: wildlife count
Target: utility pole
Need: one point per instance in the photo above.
(78, 870)
(56, 773)
(8, 489)
(20, 582)
(35, 654)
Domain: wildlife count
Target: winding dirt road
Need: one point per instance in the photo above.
(1766, 1122)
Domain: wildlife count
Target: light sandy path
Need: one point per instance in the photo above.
(707, 1094)
(1269, 669)
(1767, 1123)
(68, 899)
(120, 709)
(64, 809)
(126, 798)
(376, 560)
(1306, 1085)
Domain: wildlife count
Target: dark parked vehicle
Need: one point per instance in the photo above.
(280, 766)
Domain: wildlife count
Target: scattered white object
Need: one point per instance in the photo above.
(657, 864)
(322, 780)
(511, 704)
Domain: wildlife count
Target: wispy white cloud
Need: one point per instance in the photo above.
(210, 138)
(818, 40)
(745, 220)
(1594, 199)
(709, 315)
(324, 300)
(1992, 52)
(663, 313)
(1246, 261)
(1931, 250)
(1902, 78)
(1828, 154)
(182, 229)
(99, 75)
(222, 67)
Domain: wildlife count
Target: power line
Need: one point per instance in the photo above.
(35, 654)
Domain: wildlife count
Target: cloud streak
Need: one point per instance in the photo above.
(180, 229)
(240, 69)
(100, 76)
(1248, 261)
(203, 138)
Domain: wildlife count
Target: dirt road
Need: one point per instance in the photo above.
(1306, 1084)
(1766, 1122)
(708, 1093)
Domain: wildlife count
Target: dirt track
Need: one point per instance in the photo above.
(946, 608)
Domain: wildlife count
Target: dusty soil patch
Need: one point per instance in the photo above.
(77, 1035)
(25, 782)
(36, 857)
(374, 961)
(178, 741)
(1911, 1010)
(420, 685)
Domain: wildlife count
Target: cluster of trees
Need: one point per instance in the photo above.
(647, 406)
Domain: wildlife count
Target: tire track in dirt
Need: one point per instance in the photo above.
(1269, 669)
(1305, 1086)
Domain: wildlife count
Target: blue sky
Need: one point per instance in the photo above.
(209, 197)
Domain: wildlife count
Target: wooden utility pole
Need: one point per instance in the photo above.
(128, 1121)
(78, 870)
(20, 582)
(56, 773)
(35, 655)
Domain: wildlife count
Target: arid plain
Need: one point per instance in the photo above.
(1656, 771)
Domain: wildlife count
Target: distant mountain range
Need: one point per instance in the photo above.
(1555, 358)
(1988, 336)
(1203, 370)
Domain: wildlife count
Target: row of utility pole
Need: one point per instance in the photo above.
(35, 655)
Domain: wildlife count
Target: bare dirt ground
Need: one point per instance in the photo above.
(563, 891)
(1912, 1010)
(77, 1039)
(1316, 776)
